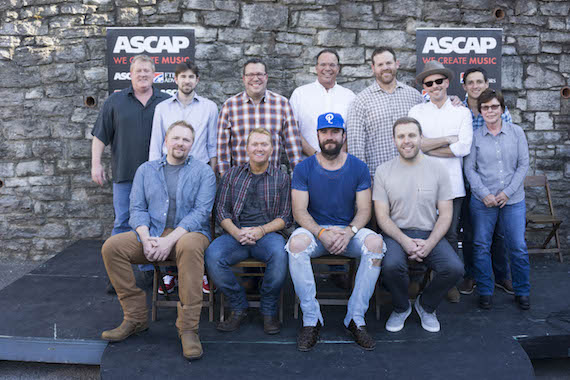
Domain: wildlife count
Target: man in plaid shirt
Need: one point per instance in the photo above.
(256, 107)
(253, 206)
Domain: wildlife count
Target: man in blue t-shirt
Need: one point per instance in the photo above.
(332, 203)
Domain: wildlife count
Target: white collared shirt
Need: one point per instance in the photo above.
(448, 120)
(312, 100)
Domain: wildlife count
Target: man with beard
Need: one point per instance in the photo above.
(413, 205)
(171, 201)
(374, 111)
(194, 109)
(332, 203)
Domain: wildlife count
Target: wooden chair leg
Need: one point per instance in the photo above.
(557, 238)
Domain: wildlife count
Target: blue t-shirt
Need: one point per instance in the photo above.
(332, 194)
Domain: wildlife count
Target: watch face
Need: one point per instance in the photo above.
(354, 229)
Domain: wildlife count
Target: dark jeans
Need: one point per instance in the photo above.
(225, 251)
(498, 253)
(452, 235)
(442, 260)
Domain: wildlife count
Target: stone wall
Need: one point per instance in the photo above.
(52, 56)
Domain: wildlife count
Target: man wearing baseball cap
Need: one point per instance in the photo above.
(331, 197)
(447, 134)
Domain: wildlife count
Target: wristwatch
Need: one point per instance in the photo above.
(353, 229)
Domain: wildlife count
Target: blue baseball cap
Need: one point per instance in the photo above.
(330, 120)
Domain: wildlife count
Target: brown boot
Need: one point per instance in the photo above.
(191, 346)
(126, 329)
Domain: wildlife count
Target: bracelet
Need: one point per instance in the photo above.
(263, 230)
(321, 232)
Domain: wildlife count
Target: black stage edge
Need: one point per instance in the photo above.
(57, 312)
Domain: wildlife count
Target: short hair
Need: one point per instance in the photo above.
(185, 66)
(406, 120)
(488, 95)
(254, 61)
(475, 70)
(142, 58)
(330, 51)
(180, 123)
(382, 49)
(261, 131)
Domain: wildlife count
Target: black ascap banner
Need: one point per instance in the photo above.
(460, 49)
(166, 46)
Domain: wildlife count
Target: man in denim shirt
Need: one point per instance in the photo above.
(171, 201)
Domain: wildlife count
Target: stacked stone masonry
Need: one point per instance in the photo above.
(52, 56)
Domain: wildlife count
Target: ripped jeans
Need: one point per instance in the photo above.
(304, 279)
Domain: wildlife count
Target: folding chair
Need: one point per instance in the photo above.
(549, 222)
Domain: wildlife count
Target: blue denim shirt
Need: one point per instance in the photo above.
(194, 197)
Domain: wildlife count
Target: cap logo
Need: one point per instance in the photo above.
(329, 117)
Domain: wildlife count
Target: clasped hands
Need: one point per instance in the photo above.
(499, 200)
(157, 248)
(249, 235)
(417, 249)
(335, 239)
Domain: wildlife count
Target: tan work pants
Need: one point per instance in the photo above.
(122, 250)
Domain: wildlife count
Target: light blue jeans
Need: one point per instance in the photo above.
(304, 279)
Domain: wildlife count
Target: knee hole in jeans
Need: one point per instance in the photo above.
(299, 243)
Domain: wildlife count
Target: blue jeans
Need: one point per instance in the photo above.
(121, 202)
(498, 253)
(511, 219)
(442, 260)
(226, 251)
(304, 279)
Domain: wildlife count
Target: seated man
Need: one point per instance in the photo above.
(253, 206)
(332, 203)
(171, 201)
(409, 190)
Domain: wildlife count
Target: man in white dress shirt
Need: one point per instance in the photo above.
(447, 135)
(317, 98)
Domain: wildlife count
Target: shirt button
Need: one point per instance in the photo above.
(164, 214)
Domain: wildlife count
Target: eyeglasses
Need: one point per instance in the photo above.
(252, 75)
(437, 81)
(493, 107)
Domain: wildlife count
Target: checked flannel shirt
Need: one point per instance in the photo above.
(240, 115)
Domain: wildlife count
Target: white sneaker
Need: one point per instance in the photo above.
(170, 282)
(396, 321)
(429, 320)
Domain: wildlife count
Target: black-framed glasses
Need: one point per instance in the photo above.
(251, 75)
(493, 107)
(430, 83)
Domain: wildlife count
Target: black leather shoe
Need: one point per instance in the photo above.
(308, 337)
(271, 324)
(361, 336)
(485, 302)
(233, 322)
(523, 302)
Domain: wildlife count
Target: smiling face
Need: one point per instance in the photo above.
(385, 68)
(327, 69)
(490, 115)
(408, 139)
(437, 92)
(259, 149)
(178, 142)
(142, 75)
(475, 84)
(255, 80)
(186, 81)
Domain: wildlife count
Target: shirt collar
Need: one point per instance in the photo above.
(446, 104)
(323, 87)
(268, 171)
(247, 99)
(162, 162)
(378, 88)
(175, 98)
(505, 128)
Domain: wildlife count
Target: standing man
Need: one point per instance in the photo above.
(256, 107)
(171, 201)
(253, 207)
(447, 135)
(475, 81)
(194, 109)
(413, 204)
(125, 122)
(374, 111)
(332, 204)
(321, 96)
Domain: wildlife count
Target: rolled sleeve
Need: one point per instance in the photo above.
(462, 147)
(138, 207)
(198, 219)
(223, 198)
(285, 203)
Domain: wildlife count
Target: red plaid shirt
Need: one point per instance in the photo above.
(239, 115)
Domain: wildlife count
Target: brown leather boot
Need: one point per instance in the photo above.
(191, 346)
(125, 329)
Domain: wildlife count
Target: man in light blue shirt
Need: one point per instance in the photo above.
(196, 110)
(170, 207)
